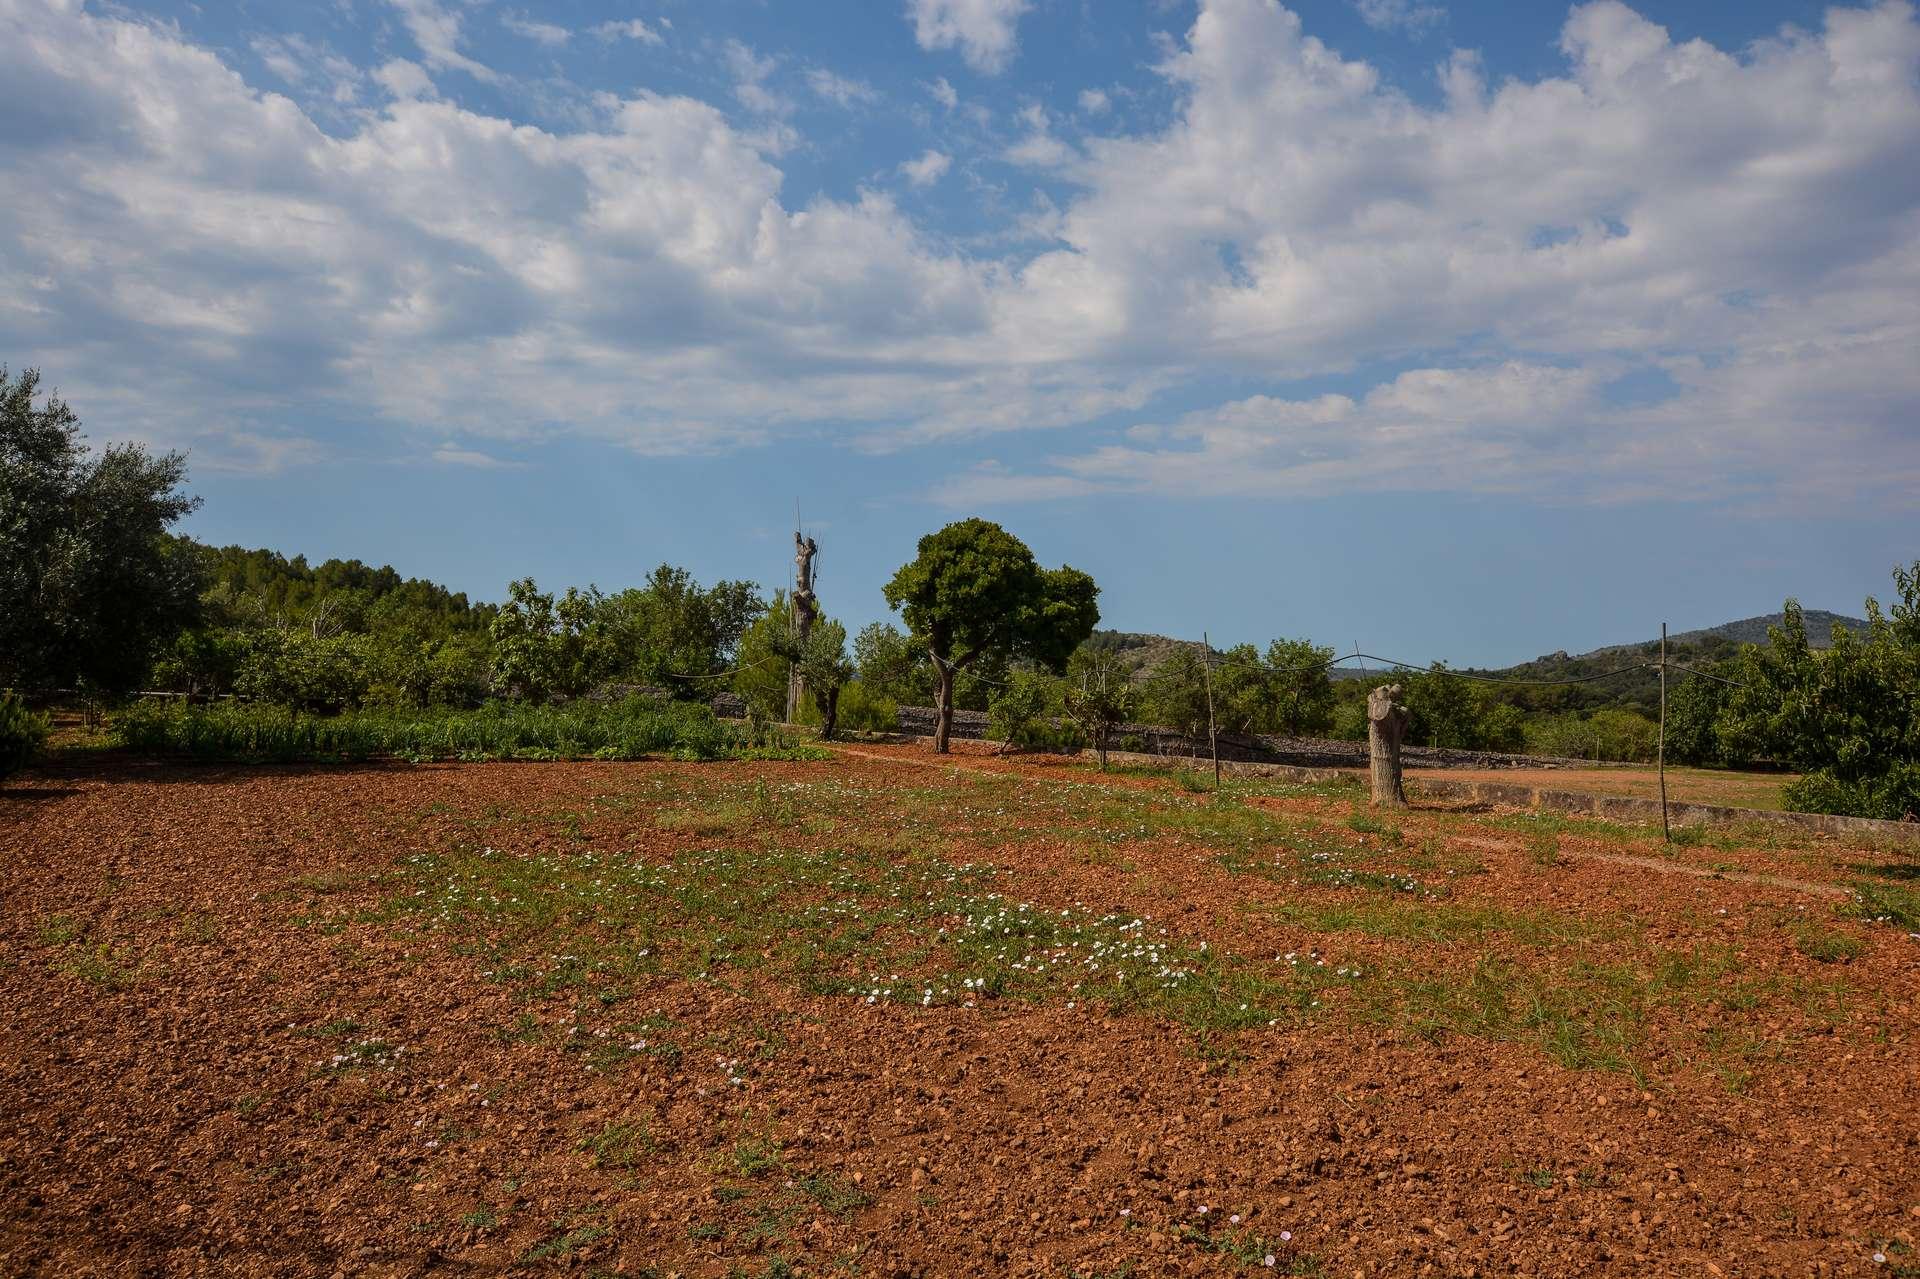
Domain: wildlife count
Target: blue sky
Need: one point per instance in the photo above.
(1454, 331)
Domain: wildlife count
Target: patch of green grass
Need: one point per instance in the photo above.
(329, 1030)
(1538, 1178)
(753, 1157)
(481, 1218)
(704, 820)
(565, 1242)
(104, 964)
(1543, 848)
(1687, 836)
(615, 1145)
(908, 928)
(61, 930)
(363, 1054)
(1532, 823)
(1736, 1057)
(632, 729)
(1887, 903)
(1587, 1015)
(1827, 945)
(1252, 1250)
(200, 927)
(1413, 920)
(1366, 823)
(836, 1196)
(526, 1029)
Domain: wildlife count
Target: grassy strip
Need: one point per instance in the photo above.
(875, 924)
(631, 729)
(1398, 920)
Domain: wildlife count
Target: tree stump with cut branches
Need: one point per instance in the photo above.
(1386, 729)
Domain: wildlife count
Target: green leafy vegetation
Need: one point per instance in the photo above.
(631, 729)
(974, 592)
(90, 583)
(1848, 716)
(23, 735)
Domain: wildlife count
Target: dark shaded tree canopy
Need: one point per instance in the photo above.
(90, 583)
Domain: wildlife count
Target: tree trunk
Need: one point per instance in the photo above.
(829, 711)
(943, 726)
(1386, 726)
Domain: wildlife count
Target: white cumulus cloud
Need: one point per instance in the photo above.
(1665, 267)
(983, 30)
(927, 168)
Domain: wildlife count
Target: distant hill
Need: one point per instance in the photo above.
(1751, 630)
(1141, 653)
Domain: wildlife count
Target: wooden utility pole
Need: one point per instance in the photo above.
(1386, 727)
(1666, 831)
(1213, 733)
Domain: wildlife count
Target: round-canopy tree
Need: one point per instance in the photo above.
(91, 585)
(974, 590)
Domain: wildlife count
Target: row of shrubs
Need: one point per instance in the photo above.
(630, 729)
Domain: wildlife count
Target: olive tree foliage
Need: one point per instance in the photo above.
(1098, 697)
(1175, 695)
(1446, 710)
(1848, 717)
(891, 663)
(974, 592)
(1286, 691)
(894, 667)
(676, 633)
(763, 660)
(543, 647)
(90, 583)
(824, 665)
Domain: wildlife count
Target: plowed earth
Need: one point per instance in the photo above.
(830, 1019)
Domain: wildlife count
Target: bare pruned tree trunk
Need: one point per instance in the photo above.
(805, 608)
(1386, 728)
(943, 724)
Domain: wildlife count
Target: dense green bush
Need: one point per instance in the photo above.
(306, 672)
(22, 735)
(864, 709)
(1890, 796)
(579, 730)
(1608, 734)
(1848, 716)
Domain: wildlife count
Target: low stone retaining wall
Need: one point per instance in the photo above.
(1308, 752)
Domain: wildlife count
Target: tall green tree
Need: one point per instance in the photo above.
(672, 629)
(1299, 687)
(1175, 694)
(974, 592)
(91, 586)
(543, 647)
(765, 659)
(1848, 717)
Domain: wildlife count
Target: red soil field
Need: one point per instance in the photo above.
(391, 1021)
